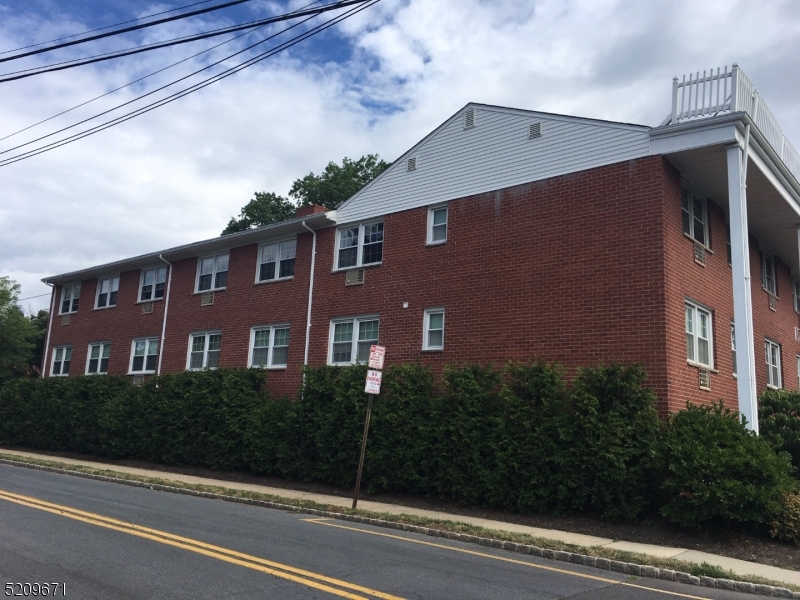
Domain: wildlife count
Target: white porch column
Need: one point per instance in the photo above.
(742, 299)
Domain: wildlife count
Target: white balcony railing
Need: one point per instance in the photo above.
(726, 92)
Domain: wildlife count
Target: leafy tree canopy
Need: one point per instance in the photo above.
(333, 186)
(16, 333)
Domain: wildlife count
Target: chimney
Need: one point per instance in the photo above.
(311, 209)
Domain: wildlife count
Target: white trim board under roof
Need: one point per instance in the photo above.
(497, 152)
(258, 235)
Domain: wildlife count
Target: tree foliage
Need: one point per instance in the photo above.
(333, 186)
(17, 333)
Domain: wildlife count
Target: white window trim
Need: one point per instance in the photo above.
(764, 256)
(89, 356)
(699, 307)
(426, 329)
(796, 294)
(354, 343)
(768, 344)
(141, 283)
(270, 347)
(147, 341)
(63, 293)
(798, 369)
(277, 264)
(733, 347)
(100, 281)
(695, 194)
(53, 360)
(205, 349)
(360, 248)
(429, 240)
(200, 259)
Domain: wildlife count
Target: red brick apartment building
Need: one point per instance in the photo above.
(503, 235)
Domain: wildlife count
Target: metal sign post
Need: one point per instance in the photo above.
(372, 387)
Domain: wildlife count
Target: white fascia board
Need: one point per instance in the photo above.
(688, 139)
(767, 167)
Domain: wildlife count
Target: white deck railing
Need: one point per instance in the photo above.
(726, 92)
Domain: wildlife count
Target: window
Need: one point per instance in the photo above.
(62, 356)
(695, 221)
(276, 261)
(70, 295)
(351, 339)
(152, 284)
(698, 335)
(269, 346)
(773, 356)
(733, 346)
(433, 326)
(204, 350)
(796, 292)
(359, 245)
(97, 364)
(144, 355)
(437, 225)
(768, 281)
(728, 243)
(107, 292)
(798, 369)
(212, 272)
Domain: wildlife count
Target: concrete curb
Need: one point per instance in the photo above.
(569, 557)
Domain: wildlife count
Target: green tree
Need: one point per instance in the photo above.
(266, 208)
(39, 325)
(337, 183)
(16, 333)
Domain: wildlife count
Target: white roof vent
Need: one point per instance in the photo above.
(534, 131)
(469, 118)
(412, 164)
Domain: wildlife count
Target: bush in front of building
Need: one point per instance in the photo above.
(715, 471)
(786, 524)
(779, 421)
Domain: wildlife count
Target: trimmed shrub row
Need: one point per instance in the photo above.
(518, 439)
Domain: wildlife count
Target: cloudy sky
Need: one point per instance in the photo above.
(375, 83)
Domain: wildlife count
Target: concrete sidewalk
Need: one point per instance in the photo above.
(741, 567)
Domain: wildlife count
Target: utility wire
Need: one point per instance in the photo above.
(151, 92)
(66, 37)
(14, 75)
(32, 297)
(125, 30)
(175, 64)
(191, 89)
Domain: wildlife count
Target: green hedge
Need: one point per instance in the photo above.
(518, 438)
(779, 421)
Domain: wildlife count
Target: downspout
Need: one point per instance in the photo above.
(310, 294)
(49, 327)
(164, 321)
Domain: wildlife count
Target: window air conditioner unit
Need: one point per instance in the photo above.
(147, 307)
(207, 299)
(354, 277)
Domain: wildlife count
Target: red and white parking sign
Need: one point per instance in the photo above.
(373, 385)
(376, 354)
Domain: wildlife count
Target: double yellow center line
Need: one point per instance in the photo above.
(287, 572)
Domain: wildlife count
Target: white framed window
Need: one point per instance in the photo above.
(768, 281)
(97, 360)
(699, 340)
(772, 351)
(695, 216)
(437, 224)
(351, 338)
(107, 289)
(796, 294)
(733, 346)
(212, 273)
(144, 355)
(152, 283)
(204, 350)
(359, 245)
(798, 370)
(433, 329)
(70, 295)
(62, 357)
(269, 347)
(276, 261)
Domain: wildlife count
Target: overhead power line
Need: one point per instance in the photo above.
(175, 64)
(13, 76)
(125, 30)
(66, 37)
(190, 89)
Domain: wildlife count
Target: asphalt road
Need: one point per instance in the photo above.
(104, 540)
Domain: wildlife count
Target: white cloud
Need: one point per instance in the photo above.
(177, 174)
